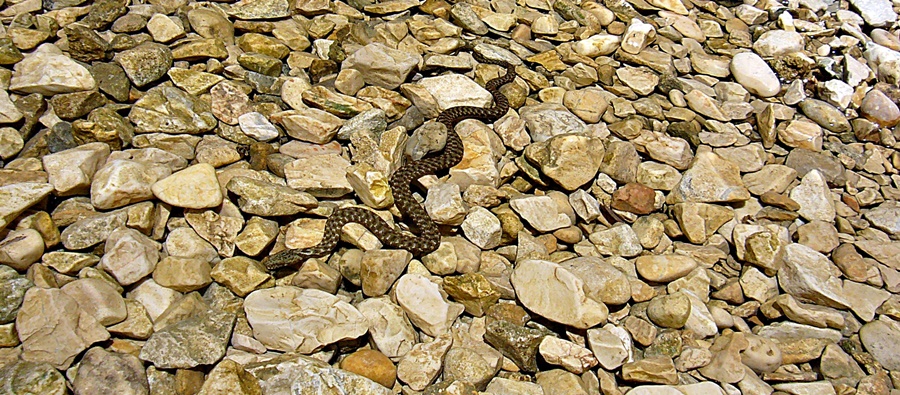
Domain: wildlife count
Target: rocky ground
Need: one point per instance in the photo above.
(153, 154)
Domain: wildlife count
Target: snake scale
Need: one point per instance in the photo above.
(429, 235)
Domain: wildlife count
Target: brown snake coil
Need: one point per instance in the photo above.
(429, 237)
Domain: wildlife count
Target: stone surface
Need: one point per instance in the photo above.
(197, 340)
(53, 329)
(555, 293)
(315, 318)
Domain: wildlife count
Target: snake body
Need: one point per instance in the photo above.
(429, 236)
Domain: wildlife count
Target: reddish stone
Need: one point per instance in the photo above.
(634, 198)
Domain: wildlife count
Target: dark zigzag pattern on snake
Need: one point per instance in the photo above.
(429, 236)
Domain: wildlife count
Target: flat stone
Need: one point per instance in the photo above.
(101, 371)
(22, 377)
(536, 280)
(48, 71)
(198, 340)
(193, 187)
(314, 318)
(875, 12)
(806, 274)
(53, 329)
(16, 198)
(879, 339)
(381, 65)
(711, 179)
(284, 373)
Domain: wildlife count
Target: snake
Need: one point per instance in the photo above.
(429, 237)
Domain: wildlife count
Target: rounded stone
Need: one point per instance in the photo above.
(763, 355)
(193, 187)
(879, 108)
(669, 311)
(754, 74)
(373, 365)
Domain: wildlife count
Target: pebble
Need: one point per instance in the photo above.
(878, 108)
(193, 187)
(371, 364)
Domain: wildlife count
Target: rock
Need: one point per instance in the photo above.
(98, 298)
(711, 179)
(48, 71)
(282, 373)
(825, 115)
(197, 340)
(806, 274)
(546, 120)
(534, 282)
(754, 74)
(468, 366)
(802, 134)
(166, 109)
(130, 255)
(778, 42)
(137, 324)
(53, 329)
(423, 303)
(814, 198)
(864, 299)
(379, 269)
(603, 282)
(669, 311)
(269, 199)
(391, 331)
(875, 12)
(72, 170)
(21, 248)
(424, 361)
(573, 357)
(229, 377)
(878, 108)
(570, 160)
(762, 354)
(16, 198)
(517, 343)
(372, 364)
(101, 371)
(22, 377)
(502, 386)
(320, 175)
(182, 274)
(12, 293)
(885, 217)
(315, 318)
(145, 63)
(541, 212)
(658, 370)
(194, 187)
(725, 367)
(618, 240)
(267, 9)
(664, 268)
(381, 65)
(120, 183)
